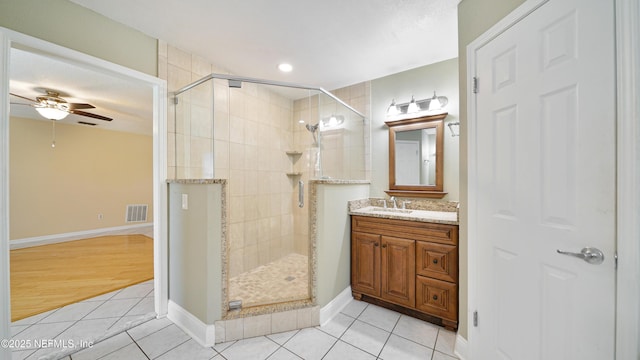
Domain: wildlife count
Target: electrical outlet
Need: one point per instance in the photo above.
(185, 201)
(100, 216)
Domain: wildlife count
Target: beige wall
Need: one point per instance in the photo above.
(89, 172)
(73, 26)
(195, 249)
(420, 82)
(474, 18)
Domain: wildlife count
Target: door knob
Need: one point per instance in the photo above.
(588, 254)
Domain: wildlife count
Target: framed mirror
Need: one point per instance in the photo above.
(416, 157)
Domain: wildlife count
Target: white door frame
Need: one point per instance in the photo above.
(159, 88)
(627, 172)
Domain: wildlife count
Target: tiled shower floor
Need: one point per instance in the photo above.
(286, 279)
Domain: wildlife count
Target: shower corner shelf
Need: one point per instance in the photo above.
(293, 174)
(294, 152)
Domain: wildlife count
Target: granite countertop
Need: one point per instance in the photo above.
(440, 212)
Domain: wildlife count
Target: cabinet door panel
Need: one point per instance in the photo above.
(398, 270)
(437, 261)
(436, 297)
(365, 263)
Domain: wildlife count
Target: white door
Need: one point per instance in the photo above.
(407, 162)
(545, 181)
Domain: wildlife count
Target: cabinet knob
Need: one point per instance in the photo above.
(435, 261)
(435, 297)
(375, 244)
(384, 246)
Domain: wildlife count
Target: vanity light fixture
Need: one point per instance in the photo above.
(285, 67)
(413, 106)
(454, 127)
(393, 110)
(431, 106)
(332, 121)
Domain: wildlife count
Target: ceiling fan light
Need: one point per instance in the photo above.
(51, 113)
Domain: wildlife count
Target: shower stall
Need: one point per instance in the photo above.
(268, 140)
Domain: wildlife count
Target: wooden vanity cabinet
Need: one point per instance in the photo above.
(407, 266)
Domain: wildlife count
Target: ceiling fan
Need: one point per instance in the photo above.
(54, 107)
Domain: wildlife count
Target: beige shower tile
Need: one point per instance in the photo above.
(179, 58)
(236, 129)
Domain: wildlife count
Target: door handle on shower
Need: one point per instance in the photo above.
(300, 193)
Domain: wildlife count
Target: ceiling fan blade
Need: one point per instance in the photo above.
(95, 116)
(75, 106)
(22, 97)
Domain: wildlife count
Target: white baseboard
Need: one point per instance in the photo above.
(58, 238)
(462, 348)
(204, 334)
(336, 305)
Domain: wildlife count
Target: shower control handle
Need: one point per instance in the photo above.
(300, 193)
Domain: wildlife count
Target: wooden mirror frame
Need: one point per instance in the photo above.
(423, 191)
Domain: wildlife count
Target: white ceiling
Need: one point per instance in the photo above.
(330, 43)
(126, 102)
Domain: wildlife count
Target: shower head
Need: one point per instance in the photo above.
(312, 128)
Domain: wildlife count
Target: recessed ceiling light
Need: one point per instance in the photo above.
(284, 67)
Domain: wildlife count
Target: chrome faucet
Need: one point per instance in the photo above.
(393, 200)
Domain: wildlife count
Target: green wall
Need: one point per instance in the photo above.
(474, 18)
(73, 26)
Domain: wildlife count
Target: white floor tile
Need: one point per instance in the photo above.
(104, 347)
(129, 352)
(310, 343)
(149, 327)
(162, 341)
(43, 331)
(145, 306)
(417, 330)
(342, 350)
(72, 312)
(446, 342)
(222, 346)
(16, 329)
(33, 319)
(401, 348)
(87, 330)
(283, 337)
(134, 291)
(258, 348)
(338, 325)
(380, 317)
(127, 322)
(189, 350)
(283, 354)
(354, 308)
(366, 337)
(440, 356)
(112, 308)
(21, 355)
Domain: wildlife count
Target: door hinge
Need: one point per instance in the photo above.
(615, 258)
(475, 318)
(475, 85)
(175, 100)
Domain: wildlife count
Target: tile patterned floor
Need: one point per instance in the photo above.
(360, 331)
(84, 321)
(282, 280)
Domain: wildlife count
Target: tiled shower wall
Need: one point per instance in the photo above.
(251, 133)
(342, 154)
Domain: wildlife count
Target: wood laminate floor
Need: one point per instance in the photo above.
(50, 276)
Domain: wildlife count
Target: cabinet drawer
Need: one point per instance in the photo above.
(414, 230)
(437, 297)
(437, 261)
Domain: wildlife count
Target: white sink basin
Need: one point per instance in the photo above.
(393, 210)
